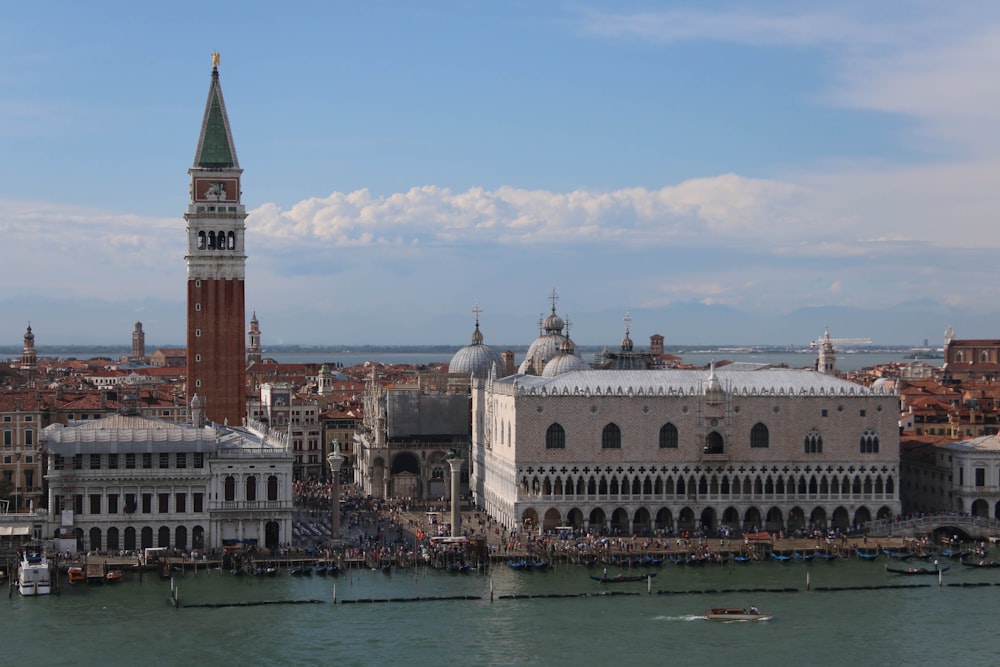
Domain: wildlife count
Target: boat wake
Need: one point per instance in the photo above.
(685, 617)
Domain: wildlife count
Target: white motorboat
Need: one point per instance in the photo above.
(738, 614)
(33, 575)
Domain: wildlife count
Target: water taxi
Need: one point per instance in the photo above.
(738, 614)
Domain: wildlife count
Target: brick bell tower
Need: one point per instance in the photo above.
(216, 268)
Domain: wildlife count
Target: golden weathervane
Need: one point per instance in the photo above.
(215, 59)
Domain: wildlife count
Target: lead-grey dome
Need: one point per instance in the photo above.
(477, 359)
(566, 361)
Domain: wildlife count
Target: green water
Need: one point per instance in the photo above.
(133, 623)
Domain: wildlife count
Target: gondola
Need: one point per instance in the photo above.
(826, 555)
(915, 570)
(784, 558)
(621, 578)
(803, 555)
(866, 555)
(897, 555)
(984, 564)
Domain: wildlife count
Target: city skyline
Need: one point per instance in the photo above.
(726, 176)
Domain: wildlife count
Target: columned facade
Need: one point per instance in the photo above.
(128, 482)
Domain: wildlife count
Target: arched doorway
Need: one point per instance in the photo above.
(796, 519)
(708, 519)
(664, 519)
(272, 533)
(552, 519)
(163, 537)
(598, 520)
(198, 538)
(818, 519)
(575, 518)
(113, 542)
(619, 521)
(180, 537)
(841, 520)
(884, 513)
(529, 519)
(862, 515)
(641, 522)
(685, 520)
(95, 539)
(129, 542)
(405, 476)
(731, 518)
(147, 537)
(752, 521)
(980, 508)
(775, 521)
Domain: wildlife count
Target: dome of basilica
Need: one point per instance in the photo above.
(566, 361)
(477, 359)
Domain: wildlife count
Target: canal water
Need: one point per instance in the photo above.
(558, 617)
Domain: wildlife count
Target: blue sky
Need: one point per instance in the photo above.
(726, 172)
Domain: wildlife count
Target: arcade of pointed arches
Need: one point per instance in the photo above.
(771, 498)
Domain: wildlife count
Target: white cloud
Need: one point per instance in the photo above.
(710, 209)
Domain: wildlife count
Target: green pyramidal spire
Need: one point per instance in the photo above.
(215, 145)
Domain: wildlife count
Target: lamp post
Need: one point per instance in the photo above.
(335, 459)
(454, 460)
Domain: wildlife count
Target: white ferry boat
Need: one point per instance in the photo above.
(33, 575)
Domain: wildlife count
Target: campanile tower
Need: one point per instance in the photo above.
(216, 267)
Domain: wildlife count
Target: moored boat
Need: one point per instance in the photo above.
(33, 575)
(986, 564)
(897, 555)
(76, 575)
(915, 570)
(621, 578)
(114, 576)
(738, 614)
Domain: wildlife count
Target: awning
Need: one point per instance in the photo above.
(9, 531)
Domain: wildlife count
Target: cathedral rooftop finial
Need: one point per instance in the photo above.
(215, 59)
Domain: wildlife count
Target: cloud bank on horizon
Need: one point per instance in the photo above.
(736, 170)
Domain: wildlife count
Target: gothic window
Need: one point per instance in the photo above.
(251, 493)
(555, 437)
(230, 489)
(813, 443)
(222, 240)
(869, 442)
(231, 240)
(211, 240)
(201, 240)
(714, 443)
(611, 437)
(669, 437)
(759, 436)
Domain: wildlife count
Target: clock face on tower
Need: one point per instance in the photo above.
(216, 189)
